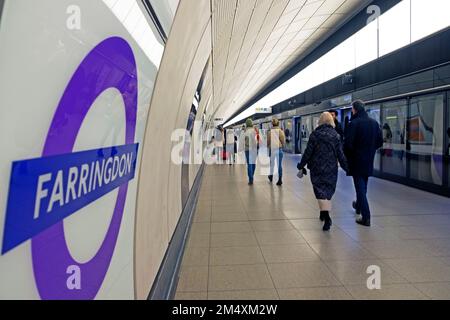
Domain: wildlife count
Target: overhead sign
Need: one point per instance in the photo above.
(263, 110)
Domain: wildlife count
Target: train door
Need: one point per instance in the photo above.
(346, 115)
(306, 129)
(297, 135)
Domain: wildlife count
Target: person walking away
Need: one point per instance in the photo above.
(363, 138)
(387, 140)
(258, 139)
(276, 140)
(322, 155)
(337, 124)
(251, 146)
(219, 145)
(230, 146)
(235, 149)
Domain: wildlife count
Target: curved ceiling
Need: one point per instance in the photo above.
(255, 41)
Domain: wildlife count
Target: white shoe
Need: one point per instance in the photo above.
(359, 218)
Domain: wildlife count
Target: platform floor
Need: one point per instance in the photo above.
(266, 242)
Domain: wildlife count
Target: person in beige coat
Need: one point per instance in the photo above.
(276, 140)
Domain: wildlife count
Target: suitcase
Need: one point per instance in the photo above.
(224, 155)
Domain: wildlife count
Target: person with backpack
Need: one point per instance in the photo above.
(322, 155)
(276, 140)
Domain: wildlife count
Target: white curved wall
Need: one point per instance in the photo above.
(159, 199)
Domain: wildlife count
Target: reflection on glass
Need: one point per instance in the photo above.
(447, 130)
(374, 113)
(315, 121)
(394, 130)
(425, 138)
(288, 132)
(306, 130)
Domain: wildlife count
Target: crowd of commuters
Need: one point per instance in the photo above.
(328, 147)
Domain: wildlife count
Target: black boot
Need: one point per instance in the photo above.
(280, 181)
(328, 222)
(322, 215)
(271, 178)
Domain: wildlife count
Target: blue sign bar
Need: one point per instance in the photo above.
(45, 191)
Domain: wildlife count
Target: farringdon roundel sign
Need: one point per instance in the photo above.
(45, 191)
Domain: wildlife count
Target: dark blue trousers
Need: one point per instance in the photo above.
(362, 205)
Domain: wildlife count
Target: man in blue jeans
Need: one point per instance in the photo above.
(251, 147)
(363, 137)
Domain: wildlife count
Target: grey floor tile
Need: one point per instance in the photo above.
(335, 236)
(191, 296)
(266, 215)
(421, 270)
(289, 253)
(324, 293)
(267, 238)
(240, 239)
(193, 279)
(227, 209)
(358, 272)
(247, 277)
(263, 294)
(235, 256)
(196, 256)
(307, 224)
(202, 216)
(229, 217)
(435, 290)
(199, 240)
(231, 227)
(349, 252)
(302, 274)
(272, 225)
(363, 234)
(401, 291)
(301, 213)
(201, 227)
(398, 249)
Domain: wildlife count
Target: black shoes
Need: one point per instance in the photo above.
(328, 222)
(279, 183)
(355, 208)
(322, 216)
(364, 222)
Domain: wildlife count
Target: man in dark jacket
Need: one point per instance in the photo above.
(338, 126)
(363, 138)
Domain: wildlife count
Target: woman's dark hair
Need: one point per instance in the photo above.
(335, 112)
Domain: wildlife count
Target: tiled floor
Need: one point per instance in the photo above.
(266, 242)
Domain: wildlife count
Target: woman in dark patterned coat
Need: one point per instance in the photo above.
(322, 155)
